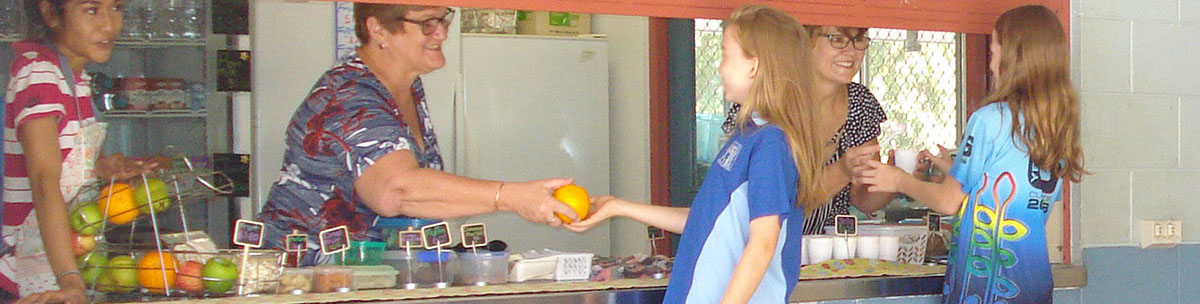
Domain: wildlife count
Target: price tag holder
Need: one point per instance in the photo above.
(409, 239)
(436, 236)
(335, 240)
(248, 233)
(933, 221)
(474, 235)
(296, 242)
(655, 233)
(845, 225)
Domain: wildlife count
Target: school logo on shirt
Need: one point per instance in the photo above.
(966, 152)
(731, 152)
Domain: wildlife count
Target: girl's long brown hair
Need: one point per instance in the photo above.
(1034, 79)
(780, 93)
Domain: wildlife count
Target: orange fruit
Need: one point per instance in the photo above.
(117, 199)
(150, 272)
(576, 197)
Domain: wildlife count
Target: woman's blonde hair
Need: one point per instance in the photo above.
(1034, 79)
(780, 93)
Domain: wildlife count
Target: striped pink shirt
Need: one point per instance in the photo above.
(37, 89)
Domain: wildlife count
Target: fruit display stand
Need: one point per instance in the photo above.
(147, 268)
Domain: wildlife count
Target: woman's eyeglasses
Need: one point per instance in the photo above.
(428, 26)
(841, 41)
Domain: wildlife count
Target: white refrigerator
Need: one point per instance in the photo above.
(535, 107)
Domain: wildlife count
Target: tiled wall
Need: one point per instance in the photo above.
(1139, 78)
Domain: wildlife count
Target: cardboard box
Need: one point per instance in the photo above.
(553, 23)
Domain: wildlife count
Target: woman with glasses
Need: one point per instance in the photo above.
(849, 121)
(362, 145)
(849, 118)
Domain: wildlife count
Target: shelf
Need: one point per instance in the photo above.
(154, 114)
(139, 43)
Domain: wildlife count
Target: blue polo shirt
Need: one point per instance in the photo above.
(753, 176)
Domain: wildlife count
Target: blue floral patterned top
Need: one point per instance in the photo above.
(348, 121)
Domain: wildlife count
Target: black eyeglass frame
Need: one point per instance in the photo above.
(845, 41)
(429, 25)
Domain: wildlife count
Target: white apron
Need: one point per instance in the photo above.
(27, 265)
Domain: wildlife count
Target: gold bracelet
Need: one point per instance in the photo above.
(496, 201)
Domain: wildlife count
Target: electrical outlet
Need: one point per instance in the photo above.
(1161, 234)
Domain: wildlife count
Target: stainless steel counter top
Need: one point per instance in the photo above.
(1065, 276)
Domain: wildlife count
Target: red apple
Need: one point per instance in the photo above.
(82, 244)
(190, 277)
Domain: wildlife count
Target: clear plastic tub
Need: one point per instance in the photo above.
(363, 253)
(374, 277)
(427, 272)
(332, 279)
(484, 266)
(295, 281)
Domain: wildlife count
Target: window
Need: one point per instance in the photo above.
(915, 75)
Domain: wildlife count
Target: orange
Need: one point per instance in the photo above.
(119, 204)
(150, 271)
(576, 197)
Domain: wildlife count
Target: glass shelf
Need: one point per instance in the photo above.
(138, 43)
(154, 114)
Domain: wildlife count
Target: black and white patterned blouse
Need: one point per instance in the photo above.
(863, 116)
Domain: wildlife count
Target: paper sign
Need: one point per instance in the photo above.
(845, 225)
(248, 233)
(655, 233)
(436, 235)
(934, 221)
(409, 239)
(334, 240)
(295, 242)
(473, 235)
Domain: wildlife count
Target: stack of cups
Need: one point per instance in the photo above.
(804, 249)
(820, 249)
(889, 248)
(868, 247)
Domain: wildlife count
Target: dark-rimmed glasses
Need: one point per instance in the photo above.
(841, 41)
(428, 26)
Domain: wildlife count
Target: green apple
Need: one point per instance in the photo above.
(158, 194)
(86, 219)
(120, 274)
(219, 274)
(91, 265)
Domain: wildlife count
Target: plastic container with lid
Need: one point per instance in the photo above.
(473, 268)
(912, 239)
(362, 253)
(428, 272)
(392, 225)
(374, 276)
(402, 262)
(332, 279)
(295, 281)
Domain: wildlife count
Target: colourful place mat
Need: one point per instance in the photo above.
(429, 293)
(854, 268)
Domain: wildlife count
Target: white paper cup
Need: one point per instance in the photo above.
(841, 250)
(868, 247)
(907, 160)
(804, 250)
(820, 249)
(889, 248)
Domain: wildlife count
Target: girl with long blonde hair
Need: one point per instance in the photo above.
(751, 205)
(1015, 153)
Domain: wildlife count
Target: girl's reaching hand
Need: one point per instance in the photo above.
(880, 177)
(603, 208)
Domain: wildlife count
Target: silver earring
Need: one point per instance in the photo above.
(382, 46)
